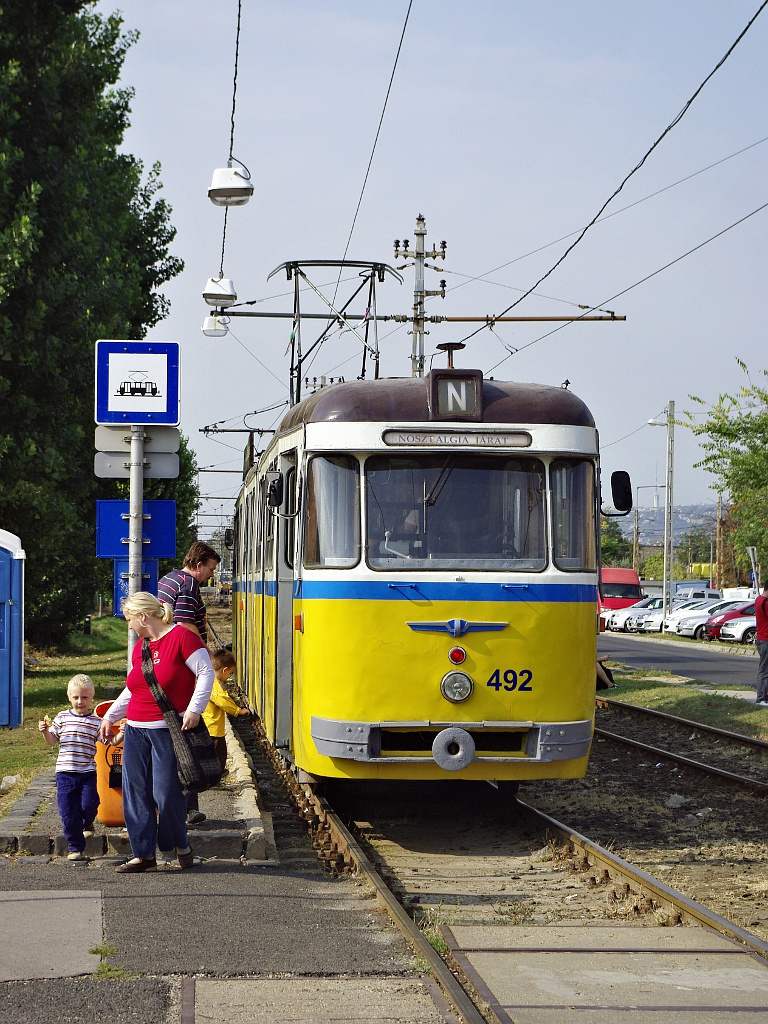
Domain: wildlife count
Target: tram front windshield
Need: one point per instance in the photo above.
(476, 512)
(451, 511)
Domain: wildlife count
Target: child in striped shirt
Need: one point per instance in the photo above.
(76, 731)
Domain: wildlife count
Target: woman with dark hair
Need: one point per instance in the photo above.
(153, 803)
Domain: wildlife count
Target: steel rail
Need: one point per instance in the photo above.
(412, 934)
(742, 780)
(712, 730)
(336, 845)
(682, 904)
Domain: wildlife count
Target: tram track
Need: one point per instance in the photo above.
(730, 755)
(443, 856)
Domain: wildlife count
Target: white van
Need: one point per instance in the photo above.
(691, 593)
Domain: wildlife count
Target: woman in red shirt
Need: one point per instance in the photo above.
(183, 669)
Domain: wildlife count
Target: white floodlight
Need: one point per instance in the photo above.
(215, 327)
(231, 186)
(219, 292)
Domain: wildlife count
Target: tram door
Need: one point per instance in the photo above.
(277, 613)
(284, 560)
(267, 654)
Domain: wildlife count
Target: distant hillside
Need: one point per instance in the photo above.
(651, 522)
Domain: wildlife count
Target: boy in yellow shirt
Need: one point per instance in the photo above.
(220, 703)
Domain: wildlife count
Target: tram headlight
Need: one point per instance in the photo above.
(456, 687)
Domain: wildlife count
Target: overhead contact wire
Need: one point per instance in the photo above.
(675, 121)
(231, 129)
(642, 280)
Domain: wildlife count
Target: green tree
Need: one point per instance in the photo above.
(696, 545)
(615, 547)
(83, 247)
(653, 568)
(734, 437)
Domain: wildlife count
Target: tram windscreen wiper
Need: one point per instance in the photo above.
(439, 484)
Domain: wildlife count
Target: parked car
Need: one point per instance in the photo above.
(692, 622)
(741, 630)
(651, 622)
(715, 622)
(617, 620)
(671, 621)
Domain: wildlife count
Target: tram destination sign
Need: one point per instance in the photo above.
(458, 438)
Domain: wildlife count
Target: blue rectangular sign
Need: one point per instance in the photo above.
(137, 382)
(149, 575)
(159, 529)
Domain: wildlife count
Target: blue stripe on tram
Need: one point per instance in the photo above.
(402, 590)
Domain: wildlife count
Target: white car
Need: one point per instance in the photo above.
(708, 606)
(653, 621)
(693, 624)
(741, 630)
(617, 620)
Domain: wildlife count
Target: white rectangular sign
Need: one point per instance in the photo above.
(137, 382)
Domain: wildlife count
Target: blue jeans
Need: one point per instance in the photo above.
(762, 670)
(78, 801)
(151, 784)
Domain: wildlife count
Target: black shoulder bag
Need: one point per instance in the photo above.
(198, 763)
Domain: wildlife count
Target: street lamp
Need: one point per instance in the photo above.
(216, 326)
(231, 186)
(669, 423)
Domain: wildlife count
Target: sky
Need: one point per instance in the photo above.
(508, 125)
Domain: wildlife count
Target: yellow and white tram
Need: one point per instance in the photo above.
(415, 580)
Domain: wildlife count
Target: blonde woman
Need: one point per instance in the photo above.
(183, 669)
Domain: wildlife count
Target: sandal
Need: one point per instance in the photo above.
(137, 865)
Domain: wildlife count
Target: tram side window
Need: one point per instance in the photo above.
(290, 509)
(573, 512)
(270, 526)
(254, 534)
(332, 530)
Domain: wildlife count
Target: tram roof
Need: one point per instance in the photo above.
(406, 399)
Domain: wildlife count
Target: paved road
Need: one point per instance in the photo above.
(693, 661)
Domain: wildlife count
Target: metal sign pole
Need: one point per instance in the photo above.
(135, 521)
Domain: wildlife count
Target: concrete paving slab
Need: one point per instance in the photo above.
(316, 1001)
(48, 934)
(610, 936)
(677, 980)
(595, 1015)
(227, 919)
(603, 973)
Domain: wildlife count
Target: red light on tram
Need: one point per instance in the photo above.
(456, 655)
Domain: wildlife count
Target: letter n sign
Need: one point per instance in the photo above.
(456, 394)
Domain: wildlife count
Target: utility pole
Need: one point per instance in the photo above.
(418, 255)
(719, 543)
(669, 521)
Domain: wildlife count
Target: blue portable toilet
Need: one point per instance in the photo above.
(11, 629)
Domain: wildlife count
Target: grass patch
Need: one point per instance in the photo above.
(428, 920)
(110, 972)
(694, 700)
(106, 971)
(103, 951)
(102, 656)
